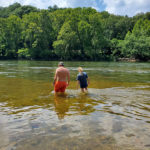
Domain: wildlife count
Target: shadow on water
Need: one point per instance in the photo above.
(73, 102)
(61, 105)
(70, 143)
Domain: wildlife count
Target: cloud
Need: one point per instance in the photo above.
(36, 3)
(46, 3)
(127, 7)
(118, 7)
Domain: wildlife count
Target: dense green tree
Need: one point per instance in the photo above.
(72, 33)
(54, 8)
(66, 43)
(84, 30)
(142, 27)
(97, 38)
(137, 44)
(7, 11)
(2, 37)
(16, 9)
(10, 36)
(38, 34)
(116, 48)
(24, 10)
(117, 26)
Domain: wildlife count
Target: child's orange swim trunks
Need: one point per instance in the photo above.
(60, 86)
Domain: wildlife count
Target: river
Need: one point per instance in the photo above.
(113, 115)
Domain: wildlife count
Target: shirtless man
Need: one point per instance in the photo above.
(61, 79)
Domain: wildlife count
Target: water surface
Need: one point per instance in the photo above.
(114, 114)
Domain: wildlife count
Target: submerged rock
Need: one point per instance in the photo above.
(117, 127)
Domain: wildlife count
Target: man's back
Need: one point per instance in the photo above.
(62, 74)
(61, 79)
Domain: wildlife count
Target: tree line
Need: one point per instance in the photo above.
(72, 34)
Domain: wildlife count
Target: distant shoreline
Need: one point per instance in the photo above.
(128, 60)
(117, 60)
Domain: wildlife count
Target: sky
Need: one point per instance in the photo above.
(117, 7)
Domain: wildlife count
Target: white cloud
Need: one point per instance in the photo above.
(46, 3)
(36, 3)
(120, 7)
(127, 7)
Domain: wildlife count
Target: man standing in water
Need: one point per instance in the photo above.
(61, 79)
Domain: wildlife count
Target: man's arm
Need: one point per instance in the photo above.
(68, 77)
(55, 78)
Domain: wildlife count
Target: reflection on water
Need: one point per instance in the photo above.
(114, 114)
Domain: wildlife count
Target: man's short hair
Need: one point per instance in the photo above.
(61, 63)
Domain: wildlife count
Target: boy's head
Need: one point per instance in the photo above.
(80, 69)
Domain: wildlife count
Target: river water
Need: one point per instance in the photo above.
(113, 115)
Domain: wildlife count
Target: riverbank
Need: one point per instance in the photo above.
(86, 60)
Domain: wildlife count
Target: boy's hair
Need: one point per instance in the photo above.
(80, 69)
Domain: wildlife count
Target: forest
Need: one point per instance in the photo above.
(27, 32)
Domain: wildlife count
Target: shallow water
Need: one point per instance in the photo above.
(113, 115)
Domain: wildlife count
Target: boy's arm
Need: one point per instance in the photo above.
(88, 80)
(78, 83)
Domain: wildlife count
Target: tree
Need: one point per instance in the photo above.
(38, 34)
(24, 10)
(2, 37)
(71, 33)
(98, 41)
(67, 41)
(54, 8)
(16, 9)
(7, 11)
(10, 36)
(137, 44)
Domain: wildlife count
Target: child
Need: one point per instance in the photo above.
(82, 80)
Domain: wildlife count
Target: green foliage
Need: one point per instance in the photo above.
(24, 10)
(23, 53)
(72, 33)
(137, 43)
(54, 8)
(10, 40)
(38, 34)
(97, 37)
(115, 45)
(117, 26)
(16, 9)
(138, 48)
(66, 42)
(142, 27)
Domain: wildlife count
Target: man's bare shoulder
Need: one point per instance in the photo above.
(62, 69)
(57, 69)
(67, 70)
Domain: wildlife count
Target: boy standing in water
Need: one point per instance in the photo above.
(83, 80)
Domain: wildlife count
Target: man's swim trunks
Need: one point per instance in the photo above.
(60, 86)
